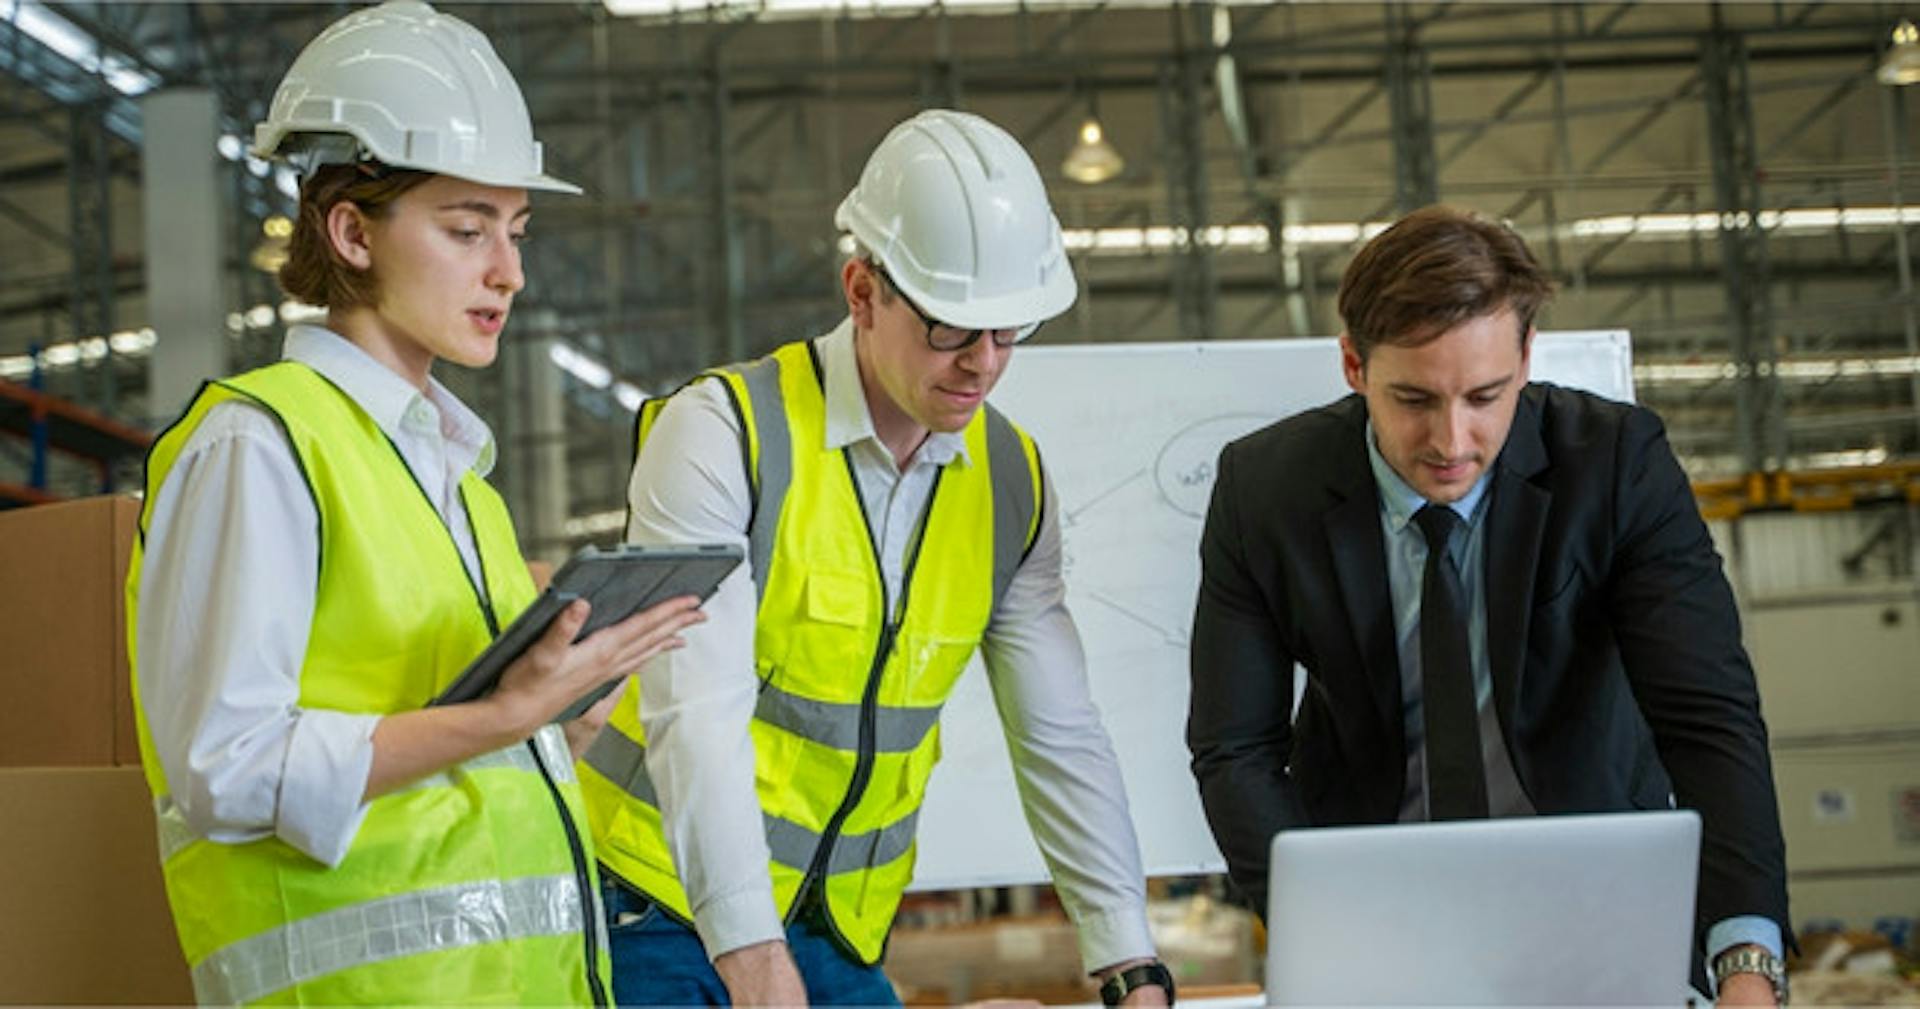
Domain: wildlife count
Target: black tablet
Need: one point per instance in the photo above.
(619, 583)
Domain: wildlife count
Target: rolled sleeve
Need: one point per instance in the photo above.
(227, 595)
(317, 815)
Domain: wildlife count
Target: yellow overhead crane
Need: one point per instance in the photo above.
(1809, 491)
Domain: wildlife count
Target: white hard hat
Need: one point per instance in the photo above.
(954, 209)
(409, 87)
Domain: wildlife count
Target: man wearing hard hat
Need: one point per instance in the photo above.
(754, 802)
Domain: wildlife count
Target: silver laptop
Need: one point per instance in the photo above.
(1541, 910)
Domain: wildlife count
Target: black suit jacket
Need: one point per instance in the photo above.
(1612, 638)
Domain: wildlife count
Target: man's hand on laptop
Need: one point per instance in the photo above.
(1746, 990)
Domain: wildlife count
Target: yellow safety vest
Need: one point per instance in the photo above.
(846, 730)
(472, 886)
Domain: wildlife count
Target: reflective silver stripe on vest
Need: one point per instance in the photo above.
(762, 378)
(897, 730)
(513, 757)
(553, 750)
(172, 828)
(175, 834)
(793, 845)
(552, 741)
(624, 762)
(1013, 501)
(425, 921)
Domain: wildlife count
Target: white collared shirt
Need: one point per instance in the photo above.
(696, 703)
(227, 600)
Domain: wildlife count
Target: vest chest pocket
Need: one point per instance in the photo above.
(931, 664)
(822, 648)
(837, 597)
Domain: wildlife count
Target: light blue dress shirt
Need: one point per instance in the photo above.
(1406, 549)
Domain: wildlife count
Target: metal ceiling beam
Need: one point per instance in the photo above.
(33, 225)
(1416, 171)
(1743, 249)
(1183, 114)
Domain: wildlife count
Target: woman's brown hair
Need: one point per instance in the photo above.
(314, 271)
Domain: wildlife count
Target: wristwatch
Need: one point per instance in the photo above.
(1122, 983)
(1752, 960)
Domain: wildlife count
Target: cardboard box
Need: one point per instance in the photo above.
(83, 913)
(63, 641)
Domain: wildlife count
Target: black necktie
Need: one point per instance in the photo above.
(1456, 778)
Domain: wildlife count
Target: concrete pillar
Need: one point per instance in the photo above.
(180, 194)
(533, 447)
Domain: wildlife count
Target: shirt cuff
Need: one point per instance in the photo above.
(1741, 930)
(736, 920)
(1110, 937)
(328, 760)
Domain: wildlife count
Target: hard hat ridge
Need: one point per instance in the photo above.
(410, 87)
(956, 211)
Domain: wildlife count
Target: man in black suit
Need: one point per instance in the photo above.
(1582, 650)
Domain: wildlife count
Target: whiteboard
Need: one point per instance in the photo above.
(1130, 434)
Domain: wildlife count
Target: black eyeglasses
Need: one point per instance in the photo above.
(946, 338)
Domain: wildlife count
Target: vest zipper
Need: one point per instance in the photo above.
(869, 697)
(588, 906)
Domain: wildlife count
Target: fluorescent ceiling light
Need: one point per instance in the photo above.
(778, 9)
(580, 366)
(292, 312)
(596, 524)
(1682, 225)
(1811, 369)
(87, 351)
(629, 396)
(1845, 459)
(66, 38)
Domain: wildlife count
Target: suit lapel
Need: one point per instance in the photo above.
(1516, 523)
(1360, 565)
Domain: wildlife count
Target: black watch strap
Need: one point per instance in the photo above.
(1121, 984)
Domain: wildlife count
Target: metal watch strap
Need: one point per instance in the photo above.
(1121, 984)
(1752, 960)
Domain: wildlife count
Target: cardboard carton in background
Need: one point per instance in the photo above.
(65, 697)
(83, 913)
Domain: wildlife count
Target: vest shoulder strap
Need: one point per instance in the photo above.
(1018, 497)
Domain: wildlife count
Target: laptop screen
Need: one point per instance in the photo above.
(1546, 910)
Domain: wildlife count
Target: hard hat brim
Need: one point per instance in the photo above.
(269, 143)
(1009, 311)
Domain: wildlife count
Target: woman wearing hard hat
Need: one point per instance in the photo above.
(320, 556)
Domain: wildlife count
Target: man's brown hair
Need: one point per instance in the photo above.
(1434, 269)
(314, 271)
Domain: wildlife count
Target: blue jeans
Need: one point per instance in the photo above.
(657, 961)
